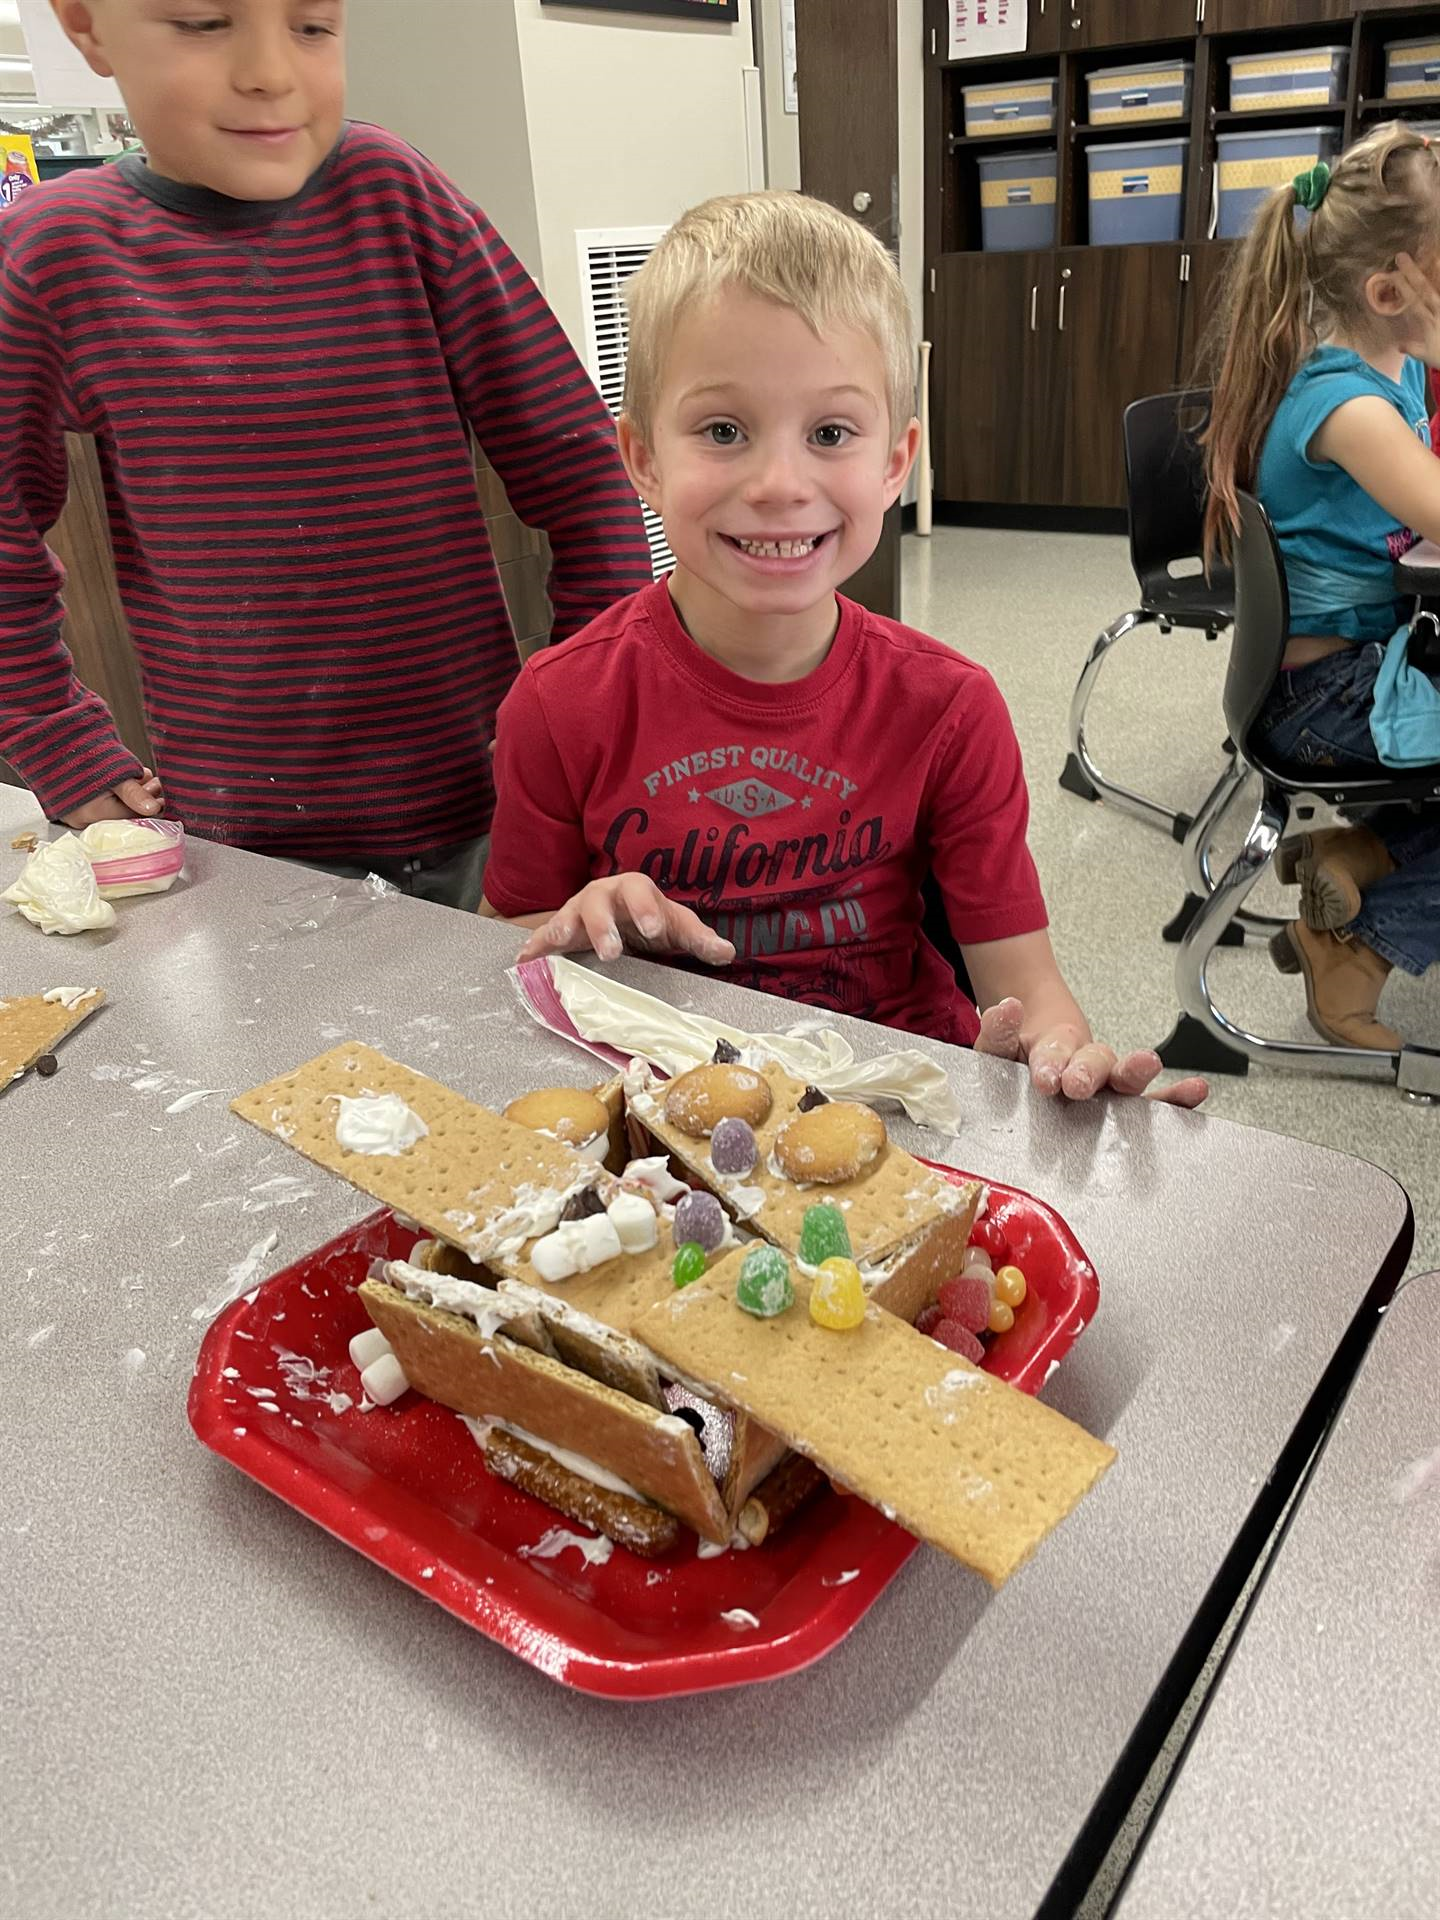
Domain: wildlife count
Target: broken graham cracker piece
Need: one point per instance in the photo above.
(954, 1455)
(33, 1024)
(466, 1182)
(448, 1359)
(908, 1225)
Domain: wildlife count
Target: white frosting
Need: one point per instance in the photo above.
(655, 1176)
(483, 1305)
(56, 890)
(593, 1551)
(576, 1463)
(68, 997)
(533, 1211)
(739, 1617)
(377, 1123)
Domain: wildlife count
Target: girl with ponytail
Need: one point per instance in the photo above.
(1332, 319)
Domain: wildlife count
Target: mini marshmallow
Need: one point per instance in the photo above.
(595, 1149)
(595, 1239)
(383, 1381)
(367, 1347)
(553, 1256)
(634, 1221)
(655, 1176)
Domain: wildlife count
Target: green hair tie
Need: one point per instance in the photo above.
(1311, 186)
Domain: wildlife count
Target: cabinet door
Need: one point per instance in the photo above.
(1205, 280)
(1107, 23)
(993, 373)
(1049, 20)
(1117, 323)
(1233, 16)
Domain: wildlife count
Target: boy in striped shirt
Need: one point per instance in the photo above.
(280, 329)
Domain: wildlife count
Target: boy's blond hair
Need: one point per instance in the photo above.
(785, 247)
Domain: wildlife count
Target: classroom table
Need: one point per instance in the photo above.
(1310, 1784)
(214, 1708)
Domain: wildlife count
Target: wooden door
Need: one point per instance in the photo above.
(1105, 23)
(1234, 16)
(1204, 285)
(847, 77)
(1117, 325)
(1049, 22)
(994, 400)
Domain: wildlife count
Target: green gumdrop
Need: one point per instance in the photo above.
(689, 1263)
(823, 1235)
(764, 1287)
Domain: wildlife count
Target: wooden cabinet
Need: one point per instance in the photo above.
(1206, 271)
(1117, 325)
(1105, 23)
(1240, 16)
(1046, 20)
(994, 370)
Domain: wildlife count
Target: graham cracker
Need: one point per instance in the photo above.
(889, 1208)
(32, 1026)
(458, 1183)
(954, 1455)
(592, 1347)
(447, 1359)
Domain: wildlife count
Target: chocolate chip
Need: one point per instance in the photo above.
(725, 1054)
(812, 1098)
(46, 1065)
(581, 1205)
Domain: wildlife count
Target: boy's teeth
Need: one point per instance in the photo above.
(777, 549)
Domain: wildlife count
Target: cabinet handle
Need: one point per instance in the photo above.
(1184, 269)
(1034, 305)
(1060, 317)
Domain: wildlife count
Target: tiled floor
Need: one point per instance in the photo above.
(1027, 606)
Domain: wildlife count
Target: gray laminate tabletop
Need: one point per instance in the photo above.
(212, 1708)
(1310, 1787)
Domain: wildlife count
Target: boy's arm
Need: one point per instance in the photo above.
(543, 427)
(57, 735)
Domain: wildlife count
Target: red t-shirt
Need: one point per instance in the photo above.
(797, 820)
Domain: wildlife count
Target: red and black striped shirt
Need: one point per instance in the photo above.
(280, 395)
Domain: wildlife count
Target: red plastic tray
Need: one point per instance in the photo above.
(407, 1487)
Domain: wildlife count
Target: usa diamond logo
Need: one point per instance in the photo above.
(750, 798)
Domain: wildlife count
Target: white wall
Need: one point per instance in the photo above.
(445, 75)
(632, 118)
(782, 130)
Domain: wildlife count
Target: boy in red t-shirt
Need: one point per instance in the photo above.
(738, 765)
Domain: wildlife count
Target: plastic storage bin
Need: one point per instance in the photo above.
(1137, 191)
(1013, 106)
(1017, 200)
(1251, 164)
(1157, 91)
(1308, 77)
(1412, 69)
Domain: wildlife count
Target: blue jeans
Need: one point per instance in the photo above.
(1319, 717)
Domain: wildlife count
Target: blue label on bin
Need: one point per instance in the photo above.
(1135, 183)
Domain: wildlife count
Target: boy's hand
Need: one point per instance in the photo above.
(631, 912)
(144, 796)
(1062, 1061)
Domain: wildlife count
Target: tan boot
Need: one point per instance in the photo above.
(1334, 868)
(1343, 978)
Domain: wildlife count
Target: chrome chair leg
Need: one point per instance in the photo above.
(1219, 909)
(1080, 770)
(1195, 853)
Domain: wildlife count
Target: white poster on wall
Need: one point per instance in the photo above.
(62, 78)
(787, 55)
(987, 26)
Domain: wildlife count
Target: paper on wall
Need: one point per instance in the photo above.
(62, 78)
(979, 27)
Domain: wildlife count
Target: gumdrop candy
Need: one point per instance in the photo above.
(967, 1300)
(823, 1235)
(929, 1318)
(764, 1287)
(732, 1145)
(837, 1298)
(689, 1264)
(959, 1340)
(701, 1218)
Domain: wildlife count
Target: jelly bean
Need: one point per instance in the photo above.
(689, 1264)
(732, 1146)
(990, 1239)
(764, 1287)
(967, 1300)
(701, 1218)
(1002, 1318)
(958, 1339)
(837, 1299)
(823, 1235)
(1010, 1286)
